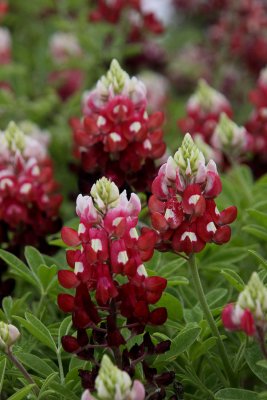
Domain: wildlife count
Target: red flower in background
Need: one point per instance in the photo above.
(203, 110)
(116, 137)
(29, 202)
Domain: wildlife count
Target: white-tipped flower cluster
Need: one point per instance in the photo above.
(114, 384)
(64, 46)
(9, 334)
(206, 98)
(105, 194)
(254, 298)
(5, 45)
(230, 138)
(115, 82)
(16, 141)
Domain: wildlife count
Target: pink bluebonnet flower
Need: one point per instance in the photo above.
(249, 314)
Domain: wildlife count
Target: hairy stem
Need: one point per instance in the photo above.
(21, 368)
(206, 310)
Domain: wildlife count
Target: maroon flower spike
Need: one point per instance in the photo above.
(182, 207)
(113, 294)
(116, 137)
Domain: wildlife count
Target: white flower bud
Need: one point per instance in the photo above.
(15, 137)
(111, 382)
(188, 157)
(105, 194)
(9, 334)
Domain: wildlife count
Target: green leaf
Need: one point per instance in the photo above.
(233, 278)
(64, 329)
(35, 363)
(256, 231)
(216, 297)
(259, 217)
(38, 330)
(181, 343)
(236, 394)
(177, 281)
(259, 258)
(22, 393)
(2, 373)
(253, 355)
(34, 258)
(173, 306)
(18, 268)
(48, 276)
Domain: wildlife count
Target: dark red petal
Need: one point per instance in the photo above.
(222, 235)
(247, 323)
(155, 120)
(158, 316)
(65, 302)
(70, 256)
(228, 215)
(70, 236)
(159, 222)
(67, 279)
(69, 343)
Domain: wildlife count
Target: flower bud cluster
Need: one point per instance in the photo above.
(116, 138)
(182, 207)
(249, 314)
(29, 202)
(108, 274)
(113, 384)
(203, 111)
(9, 334)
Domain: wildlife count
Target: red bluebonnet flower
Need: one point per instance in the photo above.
(5, 46)
(203, 109)
(108, 276)
(182, 207)
(29, 202)
(139, 20)
(116, 137)
(239, 30)
(64, 47)
(257, 124)
(249, 314)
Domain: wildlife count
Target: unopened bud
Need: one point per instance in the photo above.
(15, 137)
(9, 334)
(188, 157)
(105, 194)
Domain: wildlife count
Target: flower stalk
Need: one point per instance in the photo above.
(207, 312)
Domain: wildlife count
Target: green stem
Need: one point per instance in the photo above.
(21, 368)
(206, 310)
(60, 366)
